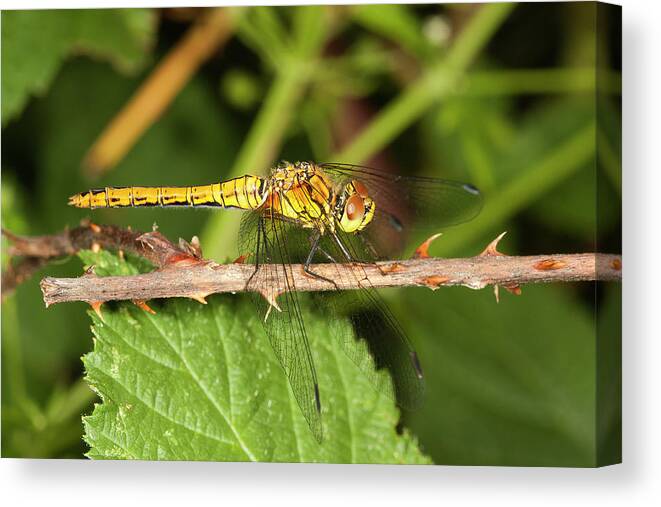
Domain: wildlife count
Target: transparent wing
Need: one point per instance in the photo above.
(268, 240)
(373, 323)
(378, 337)
(405, 203)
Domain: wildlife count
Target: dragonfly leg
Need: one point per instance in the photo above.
(348, 255)
(260, 231)
(343, 249)
(327, 255)
(314, 240)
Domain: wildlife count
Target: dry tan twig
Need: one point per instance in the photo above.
(206, 36)
(183, 272)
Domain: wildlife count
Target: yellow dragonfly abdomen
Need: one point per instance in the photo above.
(244, 192)
(301, 193)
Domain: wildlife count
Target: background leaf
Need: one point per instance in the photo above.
(201, 382)
(507, 386)
(29, 63)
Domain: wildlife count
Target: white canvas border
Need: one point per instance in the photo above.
(636, 482)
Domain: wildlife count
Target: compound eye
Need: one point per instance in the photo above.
(355, 208)
(361, 189)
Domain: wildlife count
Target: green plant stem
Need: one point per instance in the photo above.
(71, 404)
(257, 152)
(267, 133)
(435, 84)
(521, 191)
(531, 81)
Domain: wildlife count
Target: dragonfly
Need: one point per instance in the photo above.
(304, 213)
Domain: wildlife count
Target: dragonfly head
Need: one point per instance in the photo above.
(355, 208)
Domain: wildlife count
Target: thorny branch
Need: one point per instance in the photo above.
(181, 271)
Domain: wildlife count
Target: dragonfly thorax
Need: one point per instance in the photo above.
(303, 192)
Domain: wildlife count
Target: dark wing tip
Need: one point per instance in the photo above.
(478, 200)
(416, 364)
(317, 398)
(471, 189)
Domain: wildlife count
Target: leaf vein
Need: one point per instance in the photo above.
(165, 415)
(228, 379)
(345, 390)
(201, 385)
(144, 354)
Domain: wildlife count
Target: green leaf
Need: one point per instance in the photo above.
(201, 382)
(609, 373)
(35, 43)
(514, 382)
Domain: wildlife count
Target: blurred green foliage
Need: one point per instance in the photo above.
(35, 43)
(502, 96)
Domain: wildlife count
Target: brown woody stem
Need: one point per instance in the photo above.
(207, 35)
(182, 272)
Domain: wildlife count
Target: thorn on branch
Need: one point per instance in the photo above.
(200, 299)
(422, 252)
(143, 305)
(96, 306)
(241, 259)
(492, 251)
(492, 248)
(513, 289)
(270, 297)
(193, 248)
